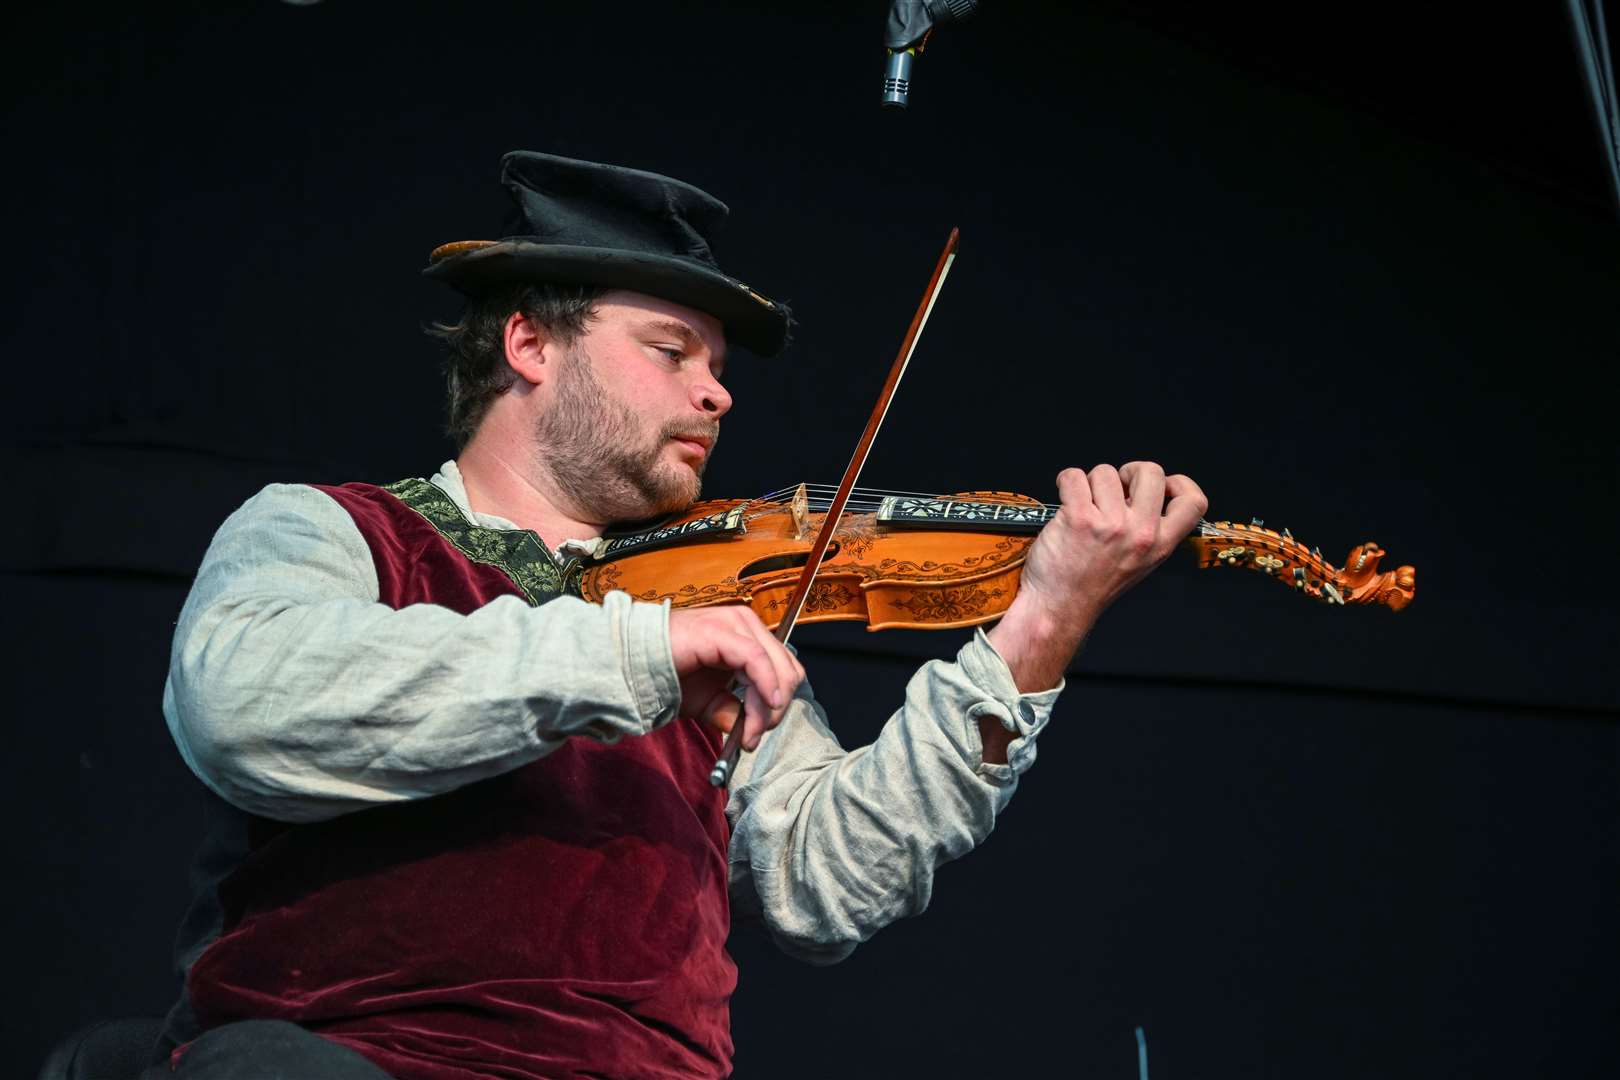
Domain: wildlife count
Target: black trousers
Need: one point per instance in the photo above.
(266, 1050)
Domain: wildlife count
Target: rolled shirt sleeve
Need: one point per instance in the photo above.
(829, 846)
(294, 694)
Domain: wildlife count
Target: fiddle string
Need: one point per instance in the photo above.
(861, 501)
(867, 499)
(823, 494)
(864, 500)
(873, 496)
(787, 492)
(856, 505)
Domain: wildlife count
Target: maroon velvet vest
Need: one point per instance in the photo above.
(565, 919)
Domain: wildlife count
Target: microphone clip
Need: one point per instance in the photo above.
(911, 23)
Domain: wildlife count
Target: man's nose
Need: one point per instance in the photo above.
(710, 397)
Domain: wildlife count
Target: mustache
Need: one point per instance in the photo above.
(709, 433)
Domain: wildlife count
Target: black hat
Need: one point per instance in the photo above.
(583, 223)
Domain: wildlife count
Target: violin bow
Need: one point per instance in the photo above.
(729, 753)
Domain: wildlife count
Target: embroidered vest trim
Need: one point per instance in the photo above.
(520, 554)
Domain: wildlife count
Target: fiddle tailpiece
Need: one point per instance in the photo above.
(1279, 555)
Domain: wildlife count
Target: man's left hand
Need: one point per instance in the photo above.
(1113, 528)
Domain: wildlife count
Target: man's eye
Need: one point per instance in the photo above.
(672, 353)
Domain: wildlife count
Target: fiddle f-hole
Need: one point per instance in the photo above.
(775, 564)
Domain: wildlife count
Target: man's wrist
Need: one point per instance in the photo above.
(1038, 642)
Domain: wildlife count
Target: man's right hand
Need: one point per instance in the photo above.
(714, 644)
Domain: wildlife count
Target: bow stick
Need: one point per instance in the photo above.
(727, 762)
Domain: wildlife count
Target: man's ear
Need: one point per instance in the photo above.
(528, 347)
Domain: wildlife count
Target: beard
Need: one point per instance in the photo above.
(599, 454)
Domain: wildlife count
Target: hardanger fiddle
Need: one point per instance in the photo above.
(905, 560)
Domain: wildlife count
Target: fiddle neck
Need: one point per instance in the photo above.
(903, 511)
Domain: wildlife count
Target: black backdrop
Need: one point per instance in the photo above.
(1286, 840)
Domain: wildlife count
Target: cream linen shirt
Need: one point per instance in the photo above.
(295, 695)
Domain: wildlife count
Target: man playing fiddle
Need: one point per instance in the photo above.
(463, 824)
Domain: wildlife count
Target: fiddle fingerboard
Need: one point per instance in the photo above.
(726, 521)
(960, 514)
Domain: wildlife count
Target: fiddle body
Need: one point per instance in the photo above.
(904, 561)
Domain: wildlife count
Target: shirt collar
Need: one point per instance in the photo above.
(448, 480)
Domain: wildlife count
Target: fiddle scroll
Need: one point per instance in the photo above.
(1280, 556)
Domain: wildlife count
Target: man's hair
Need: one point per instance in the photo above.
(476, 372)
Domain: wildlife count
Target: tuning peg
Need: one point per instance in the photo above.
(1256, 522)
(1332, 593)
(1299, 577)
(1316, 553)
(1286, 534)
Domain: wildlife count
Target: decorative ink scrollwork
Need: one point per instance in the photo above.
(827, 596)
(948, 605)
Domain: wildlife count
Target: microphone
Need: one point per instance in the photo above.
(911, 24)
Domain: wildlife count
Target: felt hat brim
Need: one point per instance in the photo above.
(755, 322)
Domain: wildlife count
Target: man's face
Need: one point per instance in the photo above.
(635, 408)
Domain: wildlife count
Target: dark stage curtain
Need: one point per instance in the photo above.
(1284, 839)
